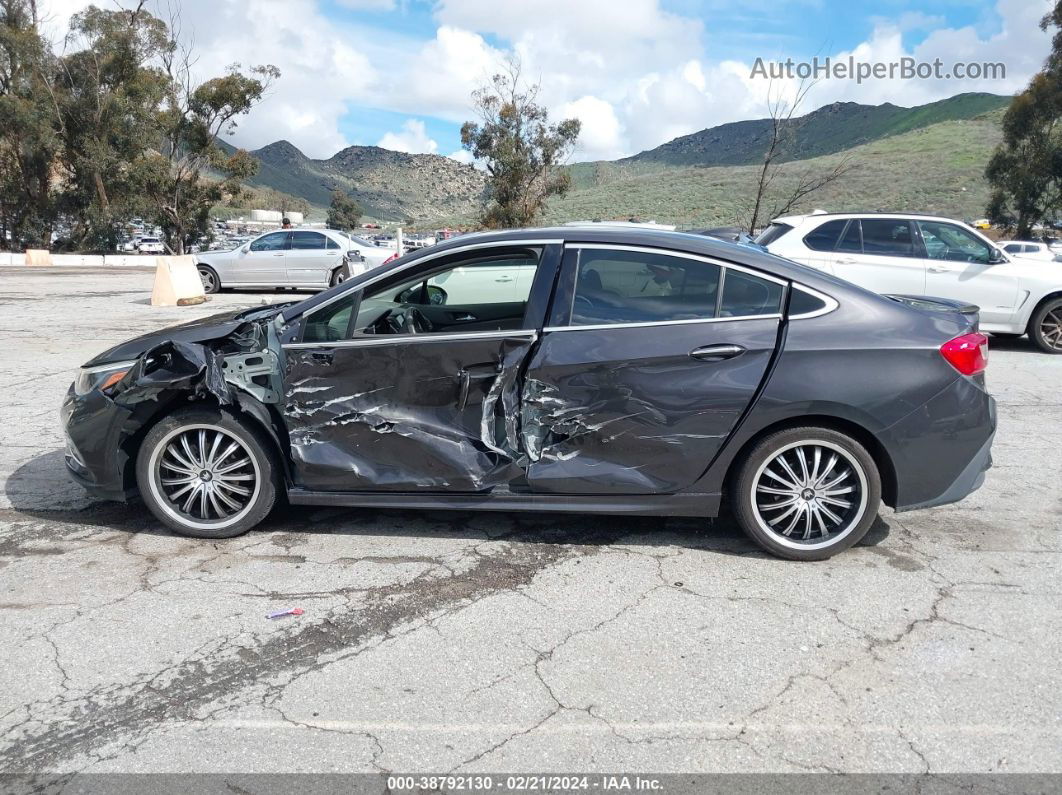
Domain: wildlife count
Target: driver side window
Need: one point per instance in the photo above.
(275, 241)
(949, 242)
(484, 291)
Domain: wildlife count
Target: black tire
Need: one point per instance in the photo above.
(211, 513)
(209, 277)
(1045, 328)
(339, 275)
(759, 499)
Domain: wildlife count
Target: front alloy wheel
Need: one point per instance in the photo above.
(205, 474)
(1046, 327)
(209, 280)
(807, 493)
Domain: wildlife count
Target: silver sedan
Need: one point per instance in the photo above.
(303, 258)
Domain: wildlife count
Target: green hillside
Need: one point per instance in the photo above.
(936, 169)
(832, 128)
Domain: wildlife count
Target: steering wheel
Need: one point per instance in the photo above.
(586, 302)
(414, 321)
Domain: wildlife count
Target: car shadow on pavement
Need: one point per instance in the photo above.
(40, 489)
(1018, 344)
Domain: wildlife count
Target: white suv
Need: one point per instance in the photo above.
(923, 255)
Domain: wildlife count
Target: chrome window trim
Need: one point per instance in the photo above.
(830, 301)
(723, 265)
(429, 257)
(683, 254)
(649, 324)
(389, 339)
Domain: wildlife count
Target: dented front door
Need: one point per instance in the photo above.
(425, 413)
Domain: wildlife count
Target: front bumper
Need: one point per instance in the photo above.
(93, 427)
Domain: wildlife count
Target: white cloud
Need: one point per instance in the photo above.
(367, 5)
(461, 156)
(601, 135)
(635, 74)
(413, 138)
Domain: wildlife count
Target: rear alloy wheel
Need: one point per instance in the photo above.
(1046, 327)
(807, 493)
(211, 283)
(204, 474)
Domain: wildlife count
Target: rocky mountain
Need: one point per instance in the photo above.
(398, 186)
(391, 186)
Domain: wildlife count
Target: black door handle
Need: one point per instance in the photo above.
(465, 375)
(716, 353)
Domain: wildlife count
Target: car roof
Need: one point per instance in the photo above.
(749, 255)
(794, 220)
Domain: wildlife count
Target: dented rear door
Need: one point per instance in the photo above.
(648, 362)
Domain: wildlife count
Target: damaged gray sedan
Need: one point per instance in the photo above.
(629, 371)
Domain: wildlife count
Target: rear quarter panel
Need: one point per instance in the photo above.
(879, 366)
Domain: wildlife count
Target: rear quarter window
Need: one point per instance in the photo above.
(802, 303)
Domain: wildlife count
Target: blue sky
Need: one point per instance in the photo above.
(398, 73)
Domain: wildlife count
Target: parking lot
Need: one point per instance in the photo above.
(444, 641)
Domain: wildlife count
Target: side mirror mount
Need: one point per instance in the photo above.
(245, 248)
(996, 257)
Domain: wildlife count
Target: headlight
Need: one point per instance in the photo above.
(101, 377)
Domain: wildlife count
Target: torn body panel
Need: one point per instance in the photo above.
(237, 366)
(410, 415)
(628, 411)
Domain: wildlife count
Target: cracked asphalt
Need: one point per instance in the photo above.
(442, 641)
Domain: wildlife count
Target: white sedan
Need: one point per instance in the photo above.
(1030, 249)
(302, 258)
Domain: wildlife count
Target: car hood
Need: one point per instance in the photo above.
(202, 330)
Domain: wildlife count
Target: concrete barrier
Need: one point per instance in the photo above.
(38, 256)
(177, 282)
(95, 260)
(84, 260)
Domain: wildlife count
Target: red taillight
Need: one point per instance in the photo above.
(390, 259)
(968, 354)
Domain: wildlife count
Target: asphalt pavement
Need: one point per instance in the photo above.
(446, 641)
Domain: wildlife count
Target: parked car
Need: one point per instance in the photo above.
(927, 255)
(301, 258)
(982, 223)
(1030, 249)
(150, 245)
(130, 246)
(622, 371)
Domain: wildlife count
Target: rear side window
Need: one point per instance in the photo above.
(826, 237)
(1015, 248)
(772, 233)
(332, 243)
(746, 295)
(852, 239)
(615, 286)
(888, 237)
(307, 241)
